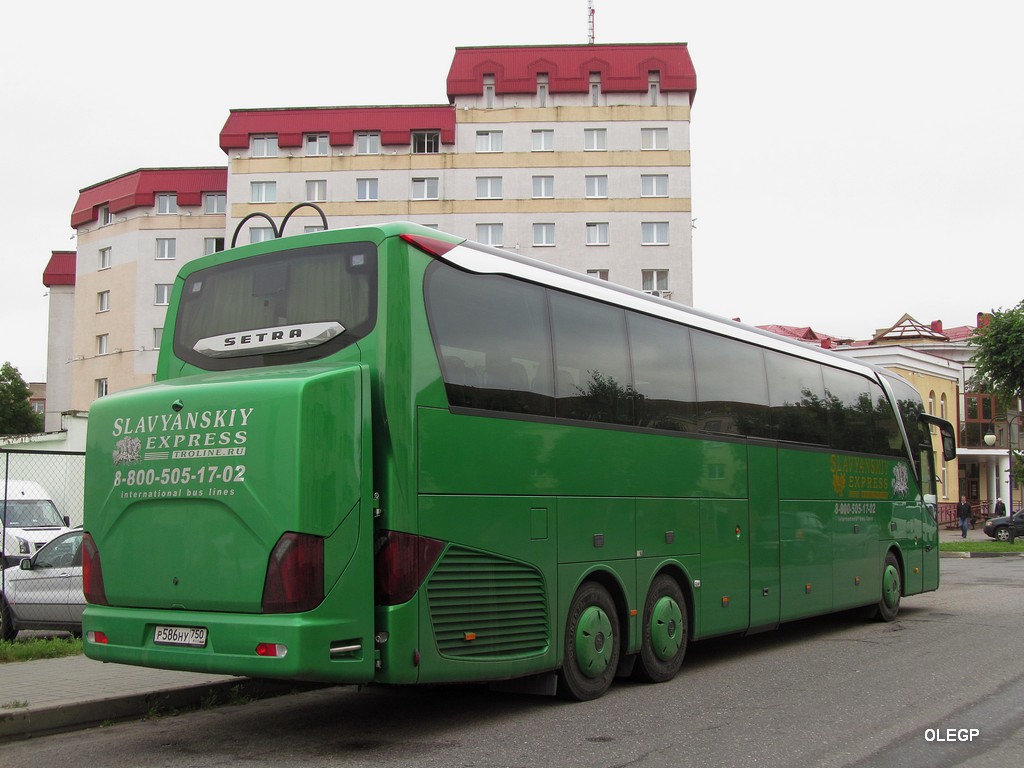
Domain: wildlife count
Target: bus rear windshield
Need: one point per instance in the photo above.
(279, 308)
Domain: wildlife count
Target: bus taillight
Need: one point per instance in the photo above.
(403, 562)
(429, 245)
(295, 574)
(92, 573)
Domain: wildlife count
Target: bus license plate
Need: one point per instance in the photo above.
(193, 637)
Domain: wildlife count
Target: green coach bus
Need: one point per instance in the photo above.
(388, 454)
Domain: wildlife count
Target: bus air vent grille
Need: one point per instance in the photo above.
(483, 606)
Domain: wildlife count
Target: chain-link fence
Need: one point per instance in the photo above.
(41, 500)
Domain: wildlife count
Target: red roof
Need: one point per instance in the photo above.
(805, 333)
(624, 68)
(60, 269)
(137, 189)
(395, 124)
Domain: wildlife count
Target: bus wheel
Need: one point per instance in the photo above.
(889, 605)
(664, 632)
(591, 644)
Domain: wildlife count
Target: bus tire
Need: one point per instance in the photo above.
(591, 652)
(892, 587)
(664, 633)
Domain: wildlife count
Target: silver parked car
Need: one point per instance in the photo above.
(45, 590)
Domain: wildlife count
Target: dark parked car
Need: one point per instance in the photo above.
(999, 527)
(45, 590)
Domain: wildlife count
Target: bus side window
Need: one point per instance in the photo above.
(732, 387)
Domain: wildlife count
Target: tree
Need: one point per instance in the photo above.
(999, 354)
(16, 416)
(999, 368)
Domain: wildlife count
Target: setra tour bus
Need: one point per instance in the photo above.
(387, 454)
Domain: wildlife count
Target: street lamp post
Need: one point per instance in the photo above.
(990, 440)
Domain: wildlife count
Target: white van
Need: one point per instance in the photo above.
(28, 519)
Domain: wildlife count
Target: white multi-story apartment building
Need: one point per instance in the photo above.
(134, 232)
(575, 155)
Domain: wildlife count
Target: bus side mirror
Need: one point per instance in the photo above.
(946, 433)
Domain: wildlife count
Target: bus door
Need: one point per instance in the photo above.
(725, 566)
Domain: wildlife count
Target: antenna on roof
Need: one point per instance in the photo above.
(590, 22)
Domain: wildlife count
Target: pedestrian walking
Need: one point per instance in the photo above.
(963, 513)
(1000, 510)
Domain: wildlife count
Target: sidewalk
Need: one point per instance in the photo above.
(48, 695)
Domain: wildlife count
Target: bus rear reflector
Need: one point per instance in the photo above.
(92, 573)
(96, 637)
(403, 562)
(295, 574)
(274, 650)
(429, 245)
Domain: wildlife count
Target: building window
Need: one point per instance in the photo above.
(488, 141)
(597, 186)
(490, 234)
(654, 185)
(366, 189)
(654, 138)
(488, 187)
(166, 202)
(166, 247)
(101, 388)
(597, 233)
(262, 191)
(542, 141)
(595, 139)
(163, 294)
(542, 89)
(942, 406)
(543, 186)
(931, 403)
(425, 188)
(212, 245)
(312, 228)
(543, 234)
(105, 216)
(426, 142)
(104, 258)
(653, 87)
(318, 144)
(654, 233)
(101, 343)
(595, 89)
(103, 301)
(368, 143)
(264, 146)
(316, 191)
(654, 280)
(489, 91)
(600, 274)
(157, 335)
(260, 234)
(215, 202)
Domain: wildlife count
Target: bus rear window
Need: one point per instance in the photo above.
(280, 308)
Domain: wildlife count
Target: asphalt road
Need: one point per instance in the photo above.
(943, 685)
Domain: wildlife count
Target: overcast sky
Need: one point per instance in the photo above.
(850, 161)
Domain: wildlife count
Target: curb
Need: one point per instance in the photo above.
(29, 722)
(981, 554)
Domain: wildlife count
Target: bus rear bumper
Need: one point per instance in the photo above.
(279, 646)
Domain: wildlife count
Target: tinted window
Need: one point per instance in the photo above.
(278, 292)
(860, 417)
(492, 339)
(799, 412)
(592, 380)
(731, 386)
(666, 395)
